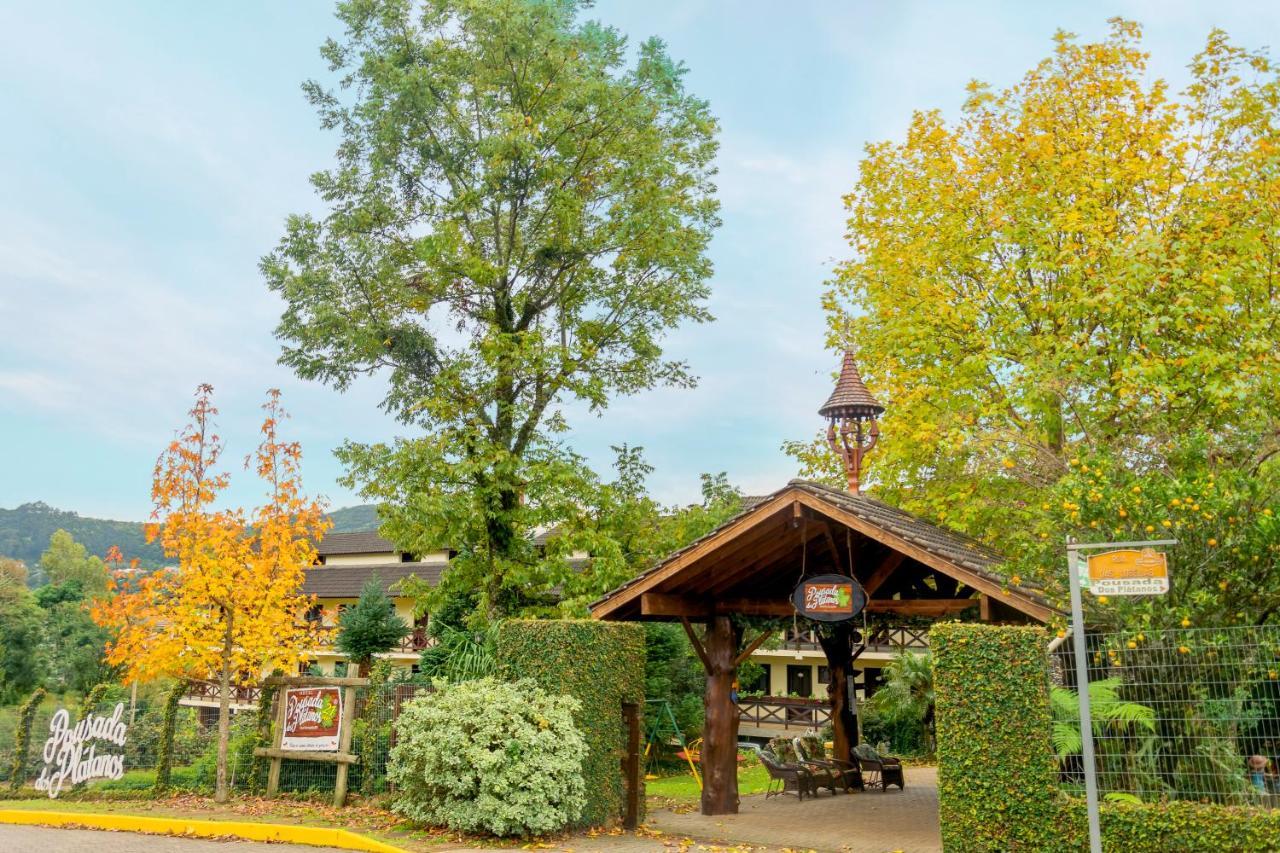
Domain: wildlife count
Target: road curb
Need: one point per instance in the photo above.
(314, 836)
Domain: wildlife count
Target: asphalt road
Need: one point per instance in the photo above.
(38, 839)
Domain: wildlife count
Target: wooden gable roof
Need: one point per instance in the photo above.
(750, 563)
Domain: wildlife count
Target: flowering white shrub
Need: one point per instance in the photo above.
(489, 756)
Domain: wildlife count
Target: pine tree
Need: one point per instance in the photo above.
(371, 627)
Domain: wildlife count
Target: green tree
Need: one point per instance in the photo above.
(14, 571)
(371, 627)
(21, 631)
(66, 560)
(516, 219)
(1082, 261)
(73, 645)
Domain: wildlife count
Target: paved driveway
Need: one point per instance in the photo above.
(867, 822)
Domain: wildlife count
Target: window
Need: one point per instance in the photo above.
(340, 669)
(314, 614)
(799, 680)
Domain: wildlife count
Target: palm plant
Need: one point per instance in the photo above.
(461, 655)
(907, 693)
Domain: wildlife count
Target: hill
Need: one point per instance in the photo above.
(25, 531)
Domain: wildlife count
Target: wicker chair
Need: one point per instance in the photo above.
(812, 752)
(821, 777)
(789, 778)
(878, 771)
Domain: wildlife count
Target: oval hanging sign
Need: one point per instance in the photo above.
(829, 598)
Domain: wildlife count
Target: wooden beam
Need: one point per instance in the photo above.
(751, 647)
(921, 606)
(882, 572)
(984, 608)
(697, 644)
(662, 604)
(979, 582)
(781, 608)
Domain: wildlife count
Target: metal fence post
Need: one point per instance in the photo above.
(1082, 690)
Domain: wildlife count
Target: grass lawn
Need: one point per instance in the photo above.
(751, 780)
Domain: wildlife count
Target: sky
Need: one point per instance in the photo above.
(150, 152)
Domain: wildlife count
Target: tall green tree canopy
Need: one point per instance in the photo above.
(66, 560)
(1084, 261)
(515, 219)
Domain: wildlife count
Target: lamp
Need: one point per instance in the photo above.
(851, 412)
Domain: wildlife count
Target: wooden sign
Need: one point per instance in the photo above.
(312, 719)
(829, 598)
(1128, 571)
(313, 723)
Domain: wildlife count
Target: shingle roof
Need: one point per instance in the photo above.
(948, 545)
(362, 542)
(347, 581)
(850, 396)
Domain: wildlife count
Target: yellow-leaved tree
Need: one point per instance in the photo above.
(229, 609)
(1083, 262)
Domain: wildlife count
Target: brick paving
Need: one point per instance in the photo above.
(867, 822)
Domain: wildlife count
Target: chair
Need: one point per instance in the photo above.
(879, 771)
(791, 778)
(821, 777)
(811, 751)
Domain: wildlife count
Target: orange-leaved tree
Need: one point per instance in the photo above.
(229, 609)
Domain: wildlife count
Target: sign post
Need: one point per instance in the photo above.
(1120, 571)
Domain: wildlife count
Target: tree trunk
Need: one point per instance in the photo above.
(720, 731)
(221, 793)
(837, 645)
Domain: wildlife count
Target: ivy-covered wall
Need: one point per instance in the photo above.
(997, 786)
(601, 664)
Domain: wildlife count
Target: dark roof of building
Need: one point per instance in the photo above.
(347, 581)
(362, 542)
(948, 545)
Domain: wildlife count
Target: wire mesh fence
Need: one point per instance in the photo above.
(1184, 714)
(193, 766)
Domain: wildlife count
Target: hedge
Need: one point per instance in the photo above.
(601, 664)
(996, 771)
(997, 781)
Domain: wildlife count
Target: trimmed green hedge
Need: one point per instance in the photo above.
(997, 784)
(601, 664)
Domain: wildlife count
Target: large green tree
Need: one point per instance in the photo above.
(1083, 262)
(66, 560)
(516, 218)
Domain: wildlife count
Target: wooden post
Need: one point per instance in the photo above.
(720, 731)
(273, 775)
(837, 645)
(344, 745)
(631, 765)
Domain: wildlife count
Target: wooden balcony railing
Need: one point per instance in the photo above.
(209, 691)
(416, 641)
(882, 638)
(784, 712)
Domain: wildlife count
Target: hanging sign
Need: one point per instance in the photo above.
(1128, 571)
(312, 718)
(829, 598)
(83, 752)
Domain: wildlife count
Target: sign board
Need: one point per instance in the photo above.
(829, 598)
(312, 719)
(83, 752)
(1128, 571)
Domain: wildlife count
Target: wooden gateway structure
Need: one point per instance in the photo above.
(751, 564)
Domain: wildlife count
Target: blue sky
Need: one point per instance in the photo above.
(151, 150)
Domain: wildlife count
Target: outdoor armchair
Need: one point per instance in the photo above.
(821, 777)
(789, 778)
(811, 751)
(878, 771)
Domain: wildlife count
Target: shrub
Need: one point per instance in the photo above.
(488, 756)
(602, 665)
(996, 769)
(22, 739)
